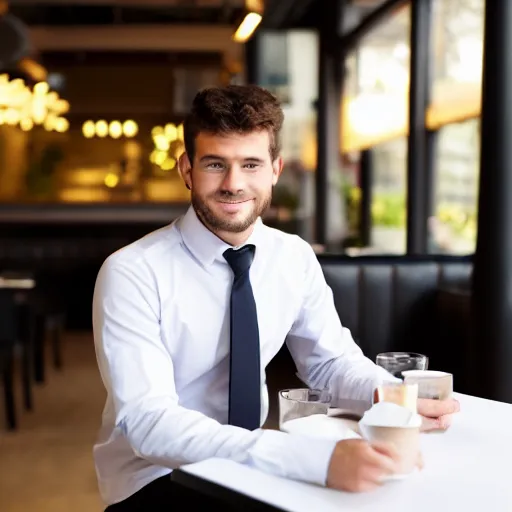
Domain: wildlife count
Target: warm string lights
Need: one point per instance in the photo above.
(114, 129)
(26, 108)
(169, 146)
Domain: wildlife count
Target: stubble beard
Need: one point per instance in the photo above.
(216, 223)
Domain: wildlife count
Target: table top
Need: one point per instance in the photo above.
(467, 468)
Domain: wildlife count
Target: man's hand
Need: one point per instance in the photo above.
(437, 414)
(358, 466)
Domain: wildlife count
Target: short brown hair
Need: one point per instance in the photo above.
(234, 109)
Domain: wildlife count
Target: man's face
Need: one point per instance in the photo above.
(231, 179)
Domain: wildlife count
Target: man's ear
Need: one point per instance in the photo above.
(185, 167)
(277, 169)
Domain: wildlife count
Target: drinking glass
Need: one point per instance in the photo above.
(302, 402)
(398, 362)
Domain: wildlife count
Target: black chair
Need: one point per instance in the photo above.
(8, 333)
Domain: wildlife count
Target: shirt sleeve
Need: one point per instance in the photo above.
(138, 373)
(324, 351)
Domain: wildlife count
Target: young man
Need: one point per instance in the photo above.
(187, 318)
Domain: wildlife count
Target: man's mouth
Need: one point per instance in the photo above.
(239, 201)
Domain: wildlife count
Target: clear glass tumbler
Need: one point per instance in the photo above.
(398, 362)
(299, 403)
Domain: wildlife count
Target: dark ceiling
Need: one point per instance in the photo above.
(59, 15)
(279, 14)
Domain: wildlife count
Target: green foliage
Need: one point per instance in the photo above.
(389, 209)
(461, 220)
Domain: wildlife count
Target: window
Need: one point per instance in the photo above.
(375, 108)
(274, 66)
(454, 111)
(458, 32)
(454, 225)
(375, 116)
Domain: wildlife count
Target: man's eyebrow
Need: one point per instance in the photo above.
(253, 159)
(211, 157)
(218, 157)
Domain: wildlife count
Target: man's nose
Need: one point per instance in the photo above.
(233, 180)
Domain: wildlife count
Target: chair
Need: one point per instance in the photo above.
(8, 331)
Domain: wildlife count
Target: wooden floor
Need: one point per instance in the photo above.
(47, 464)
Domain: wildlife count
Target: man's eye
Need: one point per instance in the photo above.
(251, 166)
(215, 166)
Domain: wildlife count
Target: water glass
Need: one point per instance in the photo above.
(302, 402)
(398, 362)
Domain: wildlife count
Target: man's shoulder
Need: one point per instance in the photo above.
(148, 248)
(287, 240)
(290, 247)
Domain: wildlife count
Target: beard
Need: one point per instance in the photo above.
(223, 223)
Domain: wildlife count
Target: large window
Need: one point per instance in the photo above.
(389, 196)
(375, 116)
(453, 227)
(454, 111)
(458, 56)
(375, 103)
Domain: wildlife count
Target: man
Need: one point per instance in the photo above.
(187, 318)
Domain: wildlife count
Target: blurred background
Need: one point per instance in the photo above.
(92, 98)
(93, 93)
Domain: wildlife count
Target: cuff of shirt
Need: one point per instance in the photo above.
(293, 456)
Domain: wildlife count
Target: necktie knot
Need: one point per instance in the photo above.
(240, 260)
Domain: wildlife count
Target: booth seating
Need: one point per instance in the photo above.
(391, 303)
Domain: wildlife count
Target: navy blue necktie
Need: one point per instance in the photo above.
(244, 372)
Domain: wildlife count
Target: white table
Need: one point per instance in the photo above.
(467, 469)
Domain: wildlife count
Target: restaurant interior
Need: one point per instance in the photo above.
(395, 171)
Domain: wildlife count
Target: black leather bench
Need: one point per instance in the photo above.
(391, 302)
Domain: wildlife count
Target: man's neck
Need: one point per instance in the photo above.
(234, 239)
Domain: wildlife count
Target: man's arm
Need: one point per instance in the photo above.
(138, 373)
(327, 356)
(324, 351)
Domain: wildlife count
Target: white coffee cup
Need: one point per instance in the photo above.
(400, 427)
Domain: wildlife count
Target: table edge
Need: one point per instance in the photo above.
(214, 490)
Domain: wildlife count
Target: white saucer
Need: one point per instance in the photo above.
(322, 426)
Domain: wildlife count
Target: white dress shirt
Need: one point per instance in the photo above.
(161, 331)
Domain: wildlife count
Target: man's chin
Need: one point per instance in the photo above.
(218, 217)
(236, 223)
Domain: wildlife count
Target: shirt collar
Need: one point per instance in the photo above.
(206, 246)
